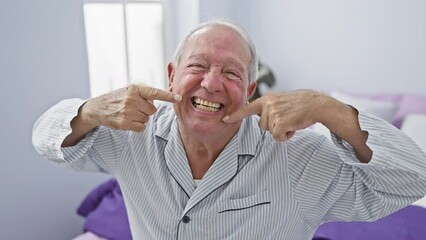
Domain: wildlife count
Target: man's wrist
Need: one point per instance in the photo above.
(86, 116)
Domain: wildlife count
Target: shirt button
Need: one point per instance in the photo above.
(186, 219)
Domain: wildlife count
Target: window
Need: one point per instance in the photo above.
(125, 44)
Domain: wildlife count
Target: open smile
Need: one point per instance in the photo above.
(205, 105)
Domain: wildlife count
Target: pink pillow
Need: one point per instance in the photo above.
(410, 103)
(383, 109)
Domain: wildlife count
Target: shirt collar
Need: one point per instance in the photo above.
(249, 135)
(163, 121)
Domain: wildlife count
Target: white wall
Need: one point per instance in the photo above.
(181, 16)
(368, 46)
(239, 11)
(42, 60)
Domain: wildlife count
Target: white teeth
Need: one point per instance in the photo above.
(206, 106)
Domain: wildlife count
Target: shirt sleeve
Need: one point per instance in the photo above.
(97, 152)
(331, 184)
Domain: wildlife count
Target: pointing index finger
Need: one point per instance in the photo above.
(252, 108)
(150, 93)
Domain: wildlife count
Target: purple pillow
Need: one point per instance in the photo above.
(105, 212)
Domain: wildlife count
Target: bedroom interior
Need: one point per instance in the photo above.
(370, 54)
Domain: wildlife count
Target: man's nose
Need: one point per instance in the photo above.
(212, 81)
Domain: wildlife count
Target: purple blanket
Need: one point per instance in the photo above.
(406, 224)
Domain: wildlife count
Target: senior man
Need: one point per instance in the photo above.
(201, 163)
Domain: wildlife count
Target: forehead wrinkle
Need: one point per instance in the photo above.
(197, 56)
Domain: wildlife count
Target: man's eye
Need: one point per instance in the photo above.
(197, 67)
(232, 75)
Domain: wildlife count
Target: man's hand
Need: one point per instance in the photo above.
(283, 113)
(127, 108)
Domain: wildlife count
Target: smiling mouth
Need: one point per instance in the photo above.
(206, 105)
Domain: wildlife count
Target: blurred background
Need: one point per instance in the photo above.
(51, 50)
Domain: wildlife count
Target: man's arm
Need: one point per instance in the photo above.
(124, 109)
(284, 113)
(342, 120)
(79, 127)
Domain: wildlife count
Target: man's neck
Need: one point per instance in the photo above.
(202, 150)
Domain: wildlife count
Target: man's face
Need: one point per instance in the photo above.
(212, 78)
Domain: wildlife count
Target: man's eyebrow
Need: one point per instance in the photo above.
(237, 64)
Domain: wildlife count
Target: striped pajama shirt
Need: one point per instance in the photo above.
(257, 188)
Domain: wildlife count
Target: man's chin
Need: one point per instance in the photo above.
(217, 128)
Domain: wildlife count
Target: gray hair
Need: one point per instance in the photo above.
(253, 68)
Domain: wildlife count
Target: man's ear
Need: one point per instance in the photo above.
(170, 74)
(250, 89)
